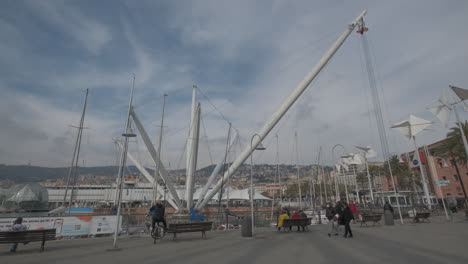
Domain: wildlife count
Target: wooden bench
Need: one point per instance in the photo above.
(290, 222)
(375, 218)
(27, 236)
(420, 217)
(190, 227)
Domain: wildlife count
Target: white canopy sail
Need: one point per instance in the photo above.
(412, 126)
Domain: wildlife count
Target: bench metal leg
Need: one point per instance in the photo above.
(174, 237)
(203, 235)
(43, 242)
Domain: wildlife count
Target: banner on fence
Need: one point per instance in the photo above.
(67, 226)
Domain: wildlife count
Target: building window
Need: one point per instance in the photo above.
(445, 178)
(456, 177)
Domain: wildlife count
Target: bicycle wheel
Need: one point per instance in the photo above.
(157, 233)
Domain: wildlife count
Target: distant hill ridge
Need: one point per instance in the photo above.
(26, 173)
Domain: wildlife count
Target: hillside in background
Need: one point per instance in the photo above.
(26, 174)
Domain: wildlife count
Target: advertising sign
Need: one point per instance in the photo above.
(67, 226)
(103, 225)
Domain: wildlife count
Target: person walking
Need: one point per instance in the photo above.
(339, 214)
(347, 218)
(330, 213)
(388, 214)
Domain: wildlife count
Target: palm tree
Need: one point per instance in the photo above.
(453, 150)
(402, 172)
(455, 142)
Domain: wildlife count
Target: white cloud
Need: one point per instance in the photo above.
(92, 34)
(271, 47)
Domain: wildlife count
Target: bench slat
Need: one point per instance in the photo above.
(27, 236)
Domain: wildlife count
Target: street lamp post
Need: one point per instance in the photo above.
(259, 147)
(123, 157)
(440, 188)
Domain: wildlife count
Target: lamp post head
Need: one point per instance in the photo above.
(129, 133)
(260, 146)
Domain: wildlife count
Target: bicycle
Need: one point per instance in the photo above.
(158, 232)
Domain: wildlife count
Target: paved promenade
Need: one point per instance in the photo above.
(435, 242)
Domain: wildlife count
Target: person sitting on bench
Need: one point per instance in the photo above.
(281, 218)
(17, 226)
(298, 215)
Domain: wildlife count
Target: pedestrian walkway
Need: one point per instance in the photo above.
(435, 242)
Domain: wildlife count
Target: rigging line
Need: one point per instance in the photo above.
(366, 95)
(206, 139)
(209, 101)
(302, 57)
(373, 59)
(377, 106)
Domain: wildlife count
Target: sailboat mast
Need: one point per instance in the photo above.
(298, 176)
(76, 154)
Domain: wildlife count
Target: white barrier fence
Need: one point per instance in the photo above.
(68, 226)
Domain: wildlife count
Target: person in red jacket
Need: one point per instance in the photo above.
(297, 215)
(353, 208)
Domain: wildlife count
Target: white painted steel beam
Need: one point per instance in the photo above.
(194, 138)
(162, 170)
(213, 175)
(296, 93)
(145, 173)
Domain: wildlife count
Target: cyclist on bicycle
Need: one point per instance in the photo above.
(157, 213)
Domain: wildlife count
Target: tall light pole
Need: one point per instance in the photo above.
(258, 147)
(123, 157)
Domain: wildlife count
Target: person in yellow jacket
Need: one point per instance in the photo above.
(281, 218)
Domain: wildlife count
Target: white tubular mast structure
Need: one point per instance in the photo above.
(145, 173)
(296, 93)
(193, 156)
(162, 171)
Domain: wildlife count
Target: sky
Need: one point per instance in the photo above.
(245, 57)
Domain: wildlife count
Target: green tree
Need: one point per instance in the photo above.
(406, 178)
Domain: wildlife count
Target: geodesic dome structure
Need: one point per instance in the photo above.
(24, 197)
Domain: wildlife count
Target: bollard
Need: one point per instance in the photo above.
(246, 227)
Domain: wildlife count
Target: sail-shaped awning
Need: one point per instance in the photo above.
(412, 126)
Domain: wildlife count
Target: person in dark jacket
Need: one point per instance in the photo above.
(388, 214)
(330, 213)
(157, 212)
(346, 219)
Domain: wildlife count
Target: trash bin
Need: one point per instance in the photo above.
(246, 227)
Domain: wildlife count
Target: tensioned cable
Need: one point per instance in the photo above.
(373, 59)
(206, 139)
(366, 96)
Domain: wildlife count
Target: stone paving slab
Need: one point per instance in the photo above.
(435, 242)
